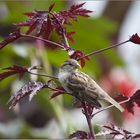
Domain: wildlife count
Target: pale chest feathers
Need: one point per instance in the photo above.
(63, 76)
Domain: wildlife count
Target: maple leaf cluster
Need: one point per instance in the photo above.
(15, 69)
(134, 99)
(111, 130)
(117, 133)
(31, 90)
(78, 55)
(43, 23)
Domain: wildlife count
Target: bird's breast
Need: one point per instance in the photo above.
(63, 76)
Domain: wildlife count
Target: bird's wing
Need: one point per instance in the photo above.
(77, 82)
(93, 89)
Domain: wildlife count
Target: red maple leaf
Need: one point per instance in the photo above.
(15, 69)
(72, 13)
(135, 39)
(69, 36)
(37, 21)
(78, 55)
(29, 89)
(116, 132)
(134, 99)
(12, 71)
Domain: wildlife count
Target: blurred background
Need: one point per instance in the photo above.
(116, 70)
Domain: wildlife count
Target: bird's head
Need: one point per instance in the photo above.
(70, 65)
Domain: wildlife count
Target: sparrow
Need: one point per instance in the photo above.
(82, 86)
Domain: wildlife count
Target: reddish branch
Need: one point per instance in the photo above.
(44, 40)
(88, 118)
(104, 49)
(62, 30)
(45, 75)
(108, 107)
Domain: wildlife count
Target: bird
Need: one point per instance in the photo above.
(82, 86)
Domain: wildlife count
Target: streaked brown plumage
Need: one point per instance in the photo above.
(82, 86)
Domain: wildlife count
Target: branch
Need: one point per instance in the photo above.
(45, 40)
(88, 117)
(104, 49)
(54, 89)
(66, 41)
(45, 75)
(108, 107)
(63, 32)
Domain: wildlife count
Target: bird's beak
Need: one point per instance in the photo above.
(78, 66)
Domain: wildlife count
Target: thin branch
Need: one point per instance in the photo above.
(44, 40)
(45, 75)
(104, 49)
(88, 117)
(66, 41)
(54, 89)
(108, 107)
(58, 90)
(63, 32)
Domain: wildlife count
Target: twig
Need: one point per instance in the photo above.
(45, 75)
(45, 40)
(58, 90)
(108, 107)
(63, 32)
(66, 41)
(104, 49)
(88, 117)
(54, 89)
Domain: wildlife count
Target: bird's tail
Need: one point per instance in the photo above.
(113, 102)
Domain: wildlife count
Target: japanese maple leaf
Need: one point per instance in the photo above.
(135, 39)
(29, 89)
(131, 101)
(15, 69)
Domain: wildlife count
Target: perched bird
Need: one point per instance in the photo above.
(81, 86)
